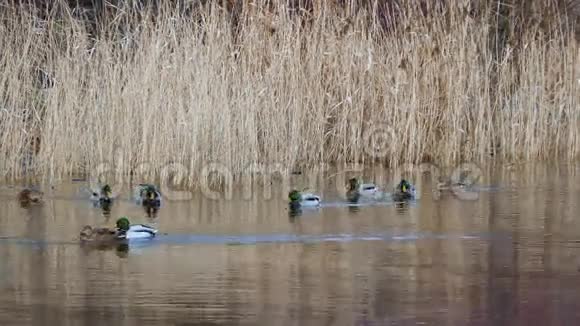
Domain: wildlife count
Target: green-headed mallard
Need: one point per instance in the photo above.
(300, 199)
(404, 191)
(356, 190)
(147, 195)
(102, 196)
(124, 230)
(134, 231)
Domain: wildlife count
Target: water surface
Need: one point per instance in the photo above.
(509, 257)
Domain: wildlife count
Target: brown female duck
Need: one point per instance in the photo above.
(29, 196)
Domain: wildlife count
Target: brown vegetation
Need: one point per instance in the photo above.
(297, 84)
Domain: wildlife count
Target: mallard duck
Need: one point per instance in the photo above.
(103, 239)
(356, 190)
(147, 195)
(89, 233)
(134, 231)
(103, 196)
(404, 191)
(299, 199)
(123, 231)
(29, 196)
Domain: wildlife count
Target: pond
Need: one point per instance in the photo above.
(508, 256)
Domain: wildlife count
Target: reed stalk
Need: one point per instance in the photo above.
(272, 84)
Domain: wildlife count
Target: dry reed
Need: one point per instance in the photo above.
(279, 87)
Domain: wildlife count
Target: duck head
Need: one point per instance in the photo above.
(123, 224)
(150, 193)
(405, 186)
(353, 184)
(106, 191)
(294, 196)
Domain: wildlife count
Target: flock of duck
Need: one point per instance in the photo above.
(356, 190)
(148, 196)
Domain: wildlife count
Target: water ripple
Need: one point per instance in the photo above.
(254, 239)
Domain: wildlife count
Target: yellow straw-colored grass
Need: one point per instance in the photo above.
(328, 85)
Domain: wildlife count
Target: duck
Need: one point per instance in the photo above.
(103, 196)
(404, 191)
(147, 195)
(130, 231)
(103, 235)
(124, 230)
(464, 189)
(300, 199)
(29, 196)
(103, 239)
(448, 184)
(356, 190)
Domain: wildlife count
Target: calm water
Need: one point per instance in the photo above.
(509, 257)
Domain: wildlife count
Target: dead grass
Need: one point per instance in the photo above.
(285, 89)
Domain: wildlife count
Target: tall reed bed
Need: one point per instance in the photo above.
(333, 84)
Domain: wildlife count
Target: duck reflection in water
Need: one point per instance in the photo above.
(106, 208)
(121, 248)
(401, 206)
(151, 211)
(294, 211)
(354, 209)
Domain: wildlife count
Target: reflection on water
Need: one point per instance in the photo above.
(105, 208)
(510, 257)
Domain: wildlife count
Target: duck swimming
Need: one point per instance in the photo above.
(299, 199)
(448, 184)
(147, 195)
(404, 191)
(356, 190)
(124, 230)
(103, 196)
(105, 235)
(29, 196)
